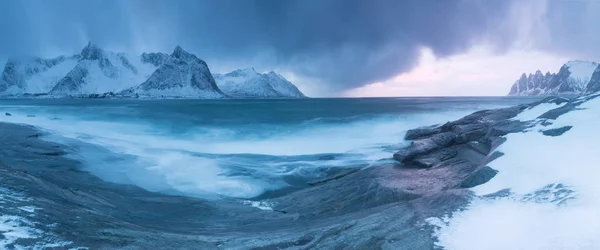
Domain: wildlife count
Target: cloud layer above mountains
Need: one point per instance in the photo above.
(343, 44)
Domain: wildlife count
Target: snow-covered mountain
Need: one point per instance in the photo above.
(34, 75)
(181, 75)
(99, 71)
(572, 79)
(247, 83)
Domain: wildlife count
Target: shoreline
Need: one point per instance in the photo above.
(77, 207)
(388, 202)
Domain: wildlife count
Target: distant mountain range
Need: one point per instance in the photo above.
(573, 78)
(96, 72)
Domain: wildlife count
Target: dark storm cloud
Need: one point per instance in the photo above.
(572, 27)
(343, 43)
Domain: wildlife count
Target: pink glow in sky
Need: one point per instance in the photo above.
(478, 72)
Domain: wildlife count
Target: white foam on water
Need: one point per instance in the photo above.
(531, 162)
(201, 176)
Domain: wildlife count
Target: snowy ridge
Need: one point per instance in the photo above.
(98, 73)
(101, 71)
(247, 83)
(572, 79)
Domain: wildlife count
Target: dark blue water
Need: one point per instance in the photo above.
(238, 148)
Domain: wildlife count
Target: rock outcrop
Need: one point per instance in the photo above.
(468, 144)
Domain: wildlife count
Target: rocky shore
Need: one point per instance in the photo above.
(380, 207)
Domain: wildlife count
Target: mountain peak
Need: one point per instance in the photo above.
(179, 52)
(91, 52)
(524, 76)
(247, 83)
(181, 75)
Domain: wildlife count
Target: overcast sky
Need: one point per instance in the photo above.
(327, 47)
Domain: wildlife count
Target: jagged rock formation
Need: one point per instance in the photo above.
(571, 79)
(532, 84)
(247, 83)
(181, 75)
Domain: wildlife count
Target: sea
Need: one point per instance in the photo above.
(242, 149)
